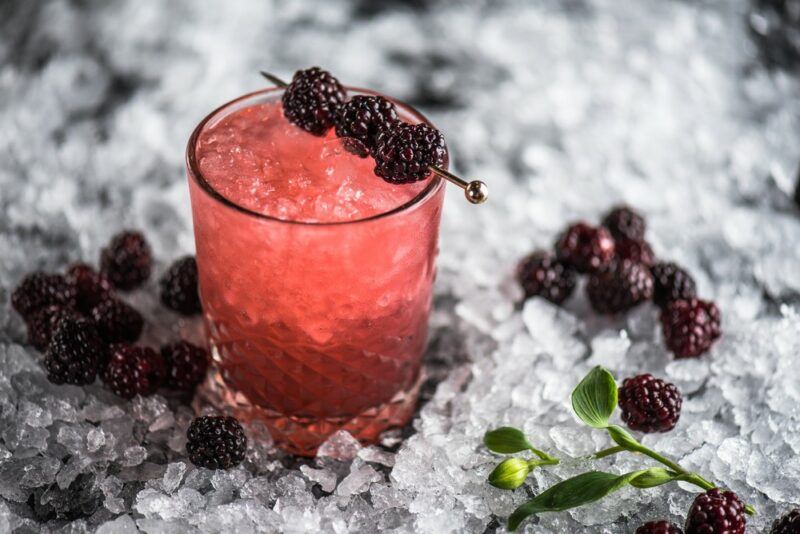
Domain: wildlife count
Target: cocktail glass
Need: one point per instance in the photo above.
(313, 326)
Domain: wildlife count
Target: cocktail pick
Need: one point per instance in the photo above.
(476, 191)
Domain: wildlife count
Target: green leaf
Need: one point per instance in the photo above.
(655, 476)
(623, 438)
(510, 474)
(595, 398)
(506, 440)
(571, 493)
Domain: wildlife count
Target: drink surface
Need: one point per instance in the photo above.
(257, 159)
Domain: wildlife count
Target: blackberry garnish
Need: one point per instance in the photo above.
(671, 282)
(44, 322)
(117, 322)
(690, 327)
(788, 524)
(38, 290)
(75, 353)
(649, 404)
(542, 275)
(635, 250)
(216, 442)
(585, 247)
(362, 119)
(312, 100)
(179, 287)
(625, 223)
(127, 260)
(404, 153)
(90, 287)
(619, 287)
(716, 511)
(659, 527)
(186, 365)
(134, 371)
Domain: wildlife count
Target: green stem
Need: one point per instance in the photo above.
(534, 463)
(607, 452)
(544, 456)
(697, 480)
(703, 483)
(657, 457)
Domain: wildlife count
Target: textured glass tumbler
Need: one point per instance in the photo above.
(314, 327)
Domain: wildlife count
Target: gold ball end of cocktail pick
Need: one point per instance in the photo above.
(476, 192)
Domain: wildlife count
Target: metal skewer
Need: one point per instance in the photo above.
(475, 191)
(274, 79)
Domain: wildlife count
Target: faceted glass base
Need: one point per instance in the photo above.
(303, 435)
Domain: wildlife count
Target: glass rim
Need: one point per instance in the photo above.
(436, 182)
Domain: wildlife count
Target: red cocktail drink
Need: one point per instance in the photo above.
(315, 274)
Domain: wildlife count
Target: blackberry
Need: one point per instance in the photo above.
(362, 119)
(89, 286)
(312, 100)
(716, 511)
(619, 287)
(625, 223)
(179, 287)
(216, 442)
(38, 290)
(127, 260)
(134, 370)
(671, 282)
(649, 404)
(690, 327)
(117, 321)
(635, 250)
(75, 352)
(404, 153)
(585, 247)
(186, 365)
(44, 322)
(658, 527)
(80, 499)
(542, 275)
(788, 524)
